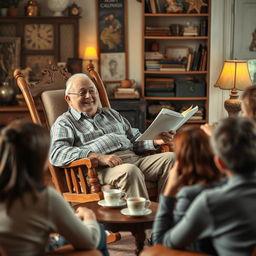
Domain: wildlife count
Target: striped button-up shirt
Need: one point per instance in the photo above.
(74, 135)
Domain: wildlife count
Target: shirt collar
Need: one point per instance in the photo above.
(238, 178)
(77, 114)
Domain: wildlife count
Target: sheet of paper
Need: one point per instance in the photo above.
(165, 121)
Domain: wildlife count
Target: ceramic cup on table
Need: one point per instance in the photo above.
(113, 196)
(137, 205)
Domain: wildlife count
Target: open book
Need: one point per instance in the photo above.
(167, 120)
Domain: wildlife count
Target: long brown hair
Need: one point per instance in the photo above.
(195, 156)
(24, 149)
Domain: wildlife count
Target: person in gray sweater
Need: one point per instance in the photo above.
(225, 213)
(30, 211)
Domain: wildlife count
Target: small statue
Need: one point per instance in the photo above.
(173, 7)
(25, 73)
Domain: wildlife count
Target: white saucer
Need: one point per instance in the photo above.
(104, 204)
(126, 212)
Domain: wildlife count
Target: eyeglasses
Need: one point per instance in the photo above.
(83, 93)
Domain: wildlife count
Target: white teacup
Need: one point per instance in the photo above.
(113, 196)
(137, 205)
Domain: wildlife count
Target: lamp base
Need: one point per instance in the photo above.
(233, 104)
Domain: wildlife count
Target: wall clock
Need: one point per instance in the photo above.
(38, 36)
(43, 40)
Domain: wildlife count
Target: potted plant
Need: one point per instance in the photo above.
(13, 7)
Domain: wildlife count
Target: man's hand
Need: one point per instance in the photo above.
(85, 214)
(109, 160)
(174, 182)
(164, 138)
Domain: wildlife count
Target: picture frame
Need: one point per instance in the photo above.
(178, 54)
(112, 33)
(9, 56)
(252, 69)
(244, 30)
(112, 66)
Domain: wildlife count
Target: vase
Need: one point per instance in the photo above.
(7, 94)
(3, 12)
(57, 6)
(12, 11)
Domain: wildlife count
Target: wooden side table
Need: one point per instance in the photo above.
(115, 221)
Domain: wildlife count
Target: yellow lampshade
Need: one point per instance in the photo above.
(90, 53)
(234, 75)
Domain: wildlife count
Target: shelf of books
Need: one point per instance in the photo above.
(176, 46)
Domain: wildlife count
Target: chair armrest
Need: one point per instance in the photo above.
(160, 250)
(88, 162)
(69, 250)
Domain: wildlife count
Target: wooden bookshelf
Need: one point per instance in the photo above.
(198, 72)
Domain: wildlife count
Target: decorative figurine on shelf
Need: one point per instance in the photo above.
(172, 6)
(195, 5)
(74, 10)
(57, 6)
(26, 73)
(32, 8)
(154, 46)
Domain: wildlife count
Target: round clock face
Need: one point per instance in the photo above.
(39, 36)
(75, 11)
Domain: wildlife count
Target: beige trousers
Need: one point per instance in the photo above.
(132, 174)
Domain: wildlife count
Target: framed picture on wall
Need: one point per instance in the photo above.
(112, 39)
(112, 66)
(244, 30)
(9, 56)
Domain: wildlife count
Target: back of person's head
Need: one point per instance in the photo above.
(195, 156)
(24, 150)
(234, 141)
(249, 101)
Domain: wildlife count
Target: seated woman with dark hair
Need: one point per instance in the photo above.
(195, 161)
(29, 210)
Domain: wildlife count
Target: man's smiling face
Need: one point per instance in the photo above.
(83, 96)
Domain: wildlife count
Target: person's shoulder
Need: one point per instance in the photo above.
(190, 191)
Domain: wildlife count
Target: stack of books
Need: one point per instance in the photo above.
(172, 67)
(157, 31)
(152, 61)
(159, 87)
(190, 31)
(126, 93)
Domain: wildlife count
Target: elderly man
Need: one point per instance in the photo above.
(86, 130)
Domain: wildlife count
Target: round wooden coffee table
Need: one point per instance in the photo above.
(115, 221)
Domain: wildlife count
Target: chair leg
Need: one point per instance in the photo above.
(113, 237)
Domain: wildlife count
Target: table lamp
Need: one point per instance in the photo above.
(90, 54)
(235, 76)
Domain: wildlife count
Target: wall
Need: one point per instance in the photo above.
(221, 31)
